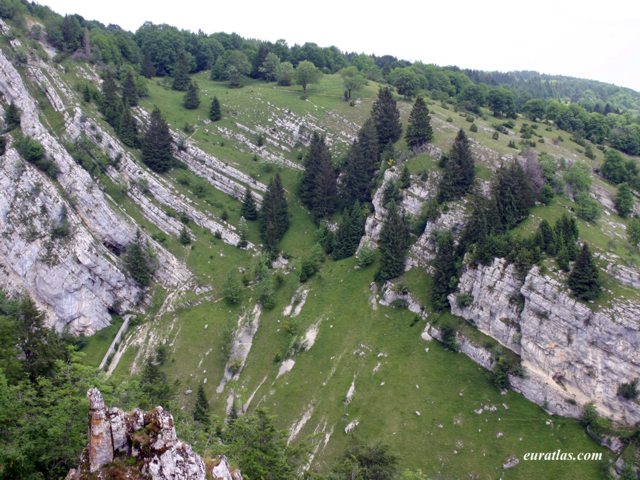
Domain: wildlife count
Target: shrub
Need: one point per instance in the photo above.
(628, 390)
(473, 128)
(495, 135)
(32, 151)
(587, 208)
(366, 256)
(448, 334)
(463, 300)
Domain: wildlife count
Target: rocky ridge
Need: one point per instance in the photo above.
(141, 444)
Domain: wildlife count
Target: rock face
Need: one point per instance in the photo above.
(141, 445)
(570, 354)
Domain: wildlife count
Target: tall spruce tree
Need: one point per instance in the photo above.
(514, 195)
(386, 117)
(12, 117)
(110, 103)
(350, 231)
(127, 127)
(445, 275)
(130, 91)
(191, 99)
(249, 210)
(138, 262)
(393, 245)
(584, 279)
(148, 69)
(317, 189)
(181, 80)
(215, 113)
(419, 130)
(274, 215)
(201, 408)
(360, 166)
(157, 152)
(459, 170)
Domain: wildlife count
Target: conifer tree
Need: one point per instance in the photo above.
(624, 200)
(127, 128)
(349, 232)
(393, 245)
(419, 130)
(405, 177)
(201, 408)
(138, 262)
(249, 210)
(110, 103)
(180, 75)
(325, 191)
(156, 145)
(214, 112)
(584, 279)
(459, 170)
(191, 99)
(386, 117)
(274, 215)
(130, 91)
(547, 238)
(317, 189)
(360, 166)
(12, 117)
(184, 238)
(445, 275)
(514, 195)
(148, 69)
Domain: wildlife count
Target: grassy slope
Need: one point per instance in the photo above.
(450, 385)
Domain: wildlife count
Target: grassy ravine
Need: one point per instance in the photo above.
(447, 439)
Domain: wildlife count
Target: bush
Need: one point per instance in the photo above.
(463, 300)
(473, 128)
(628, 390)
(366, 256)
(587, 208)
(546, 194)
(33, 152)
(448, 334)
(495, 135)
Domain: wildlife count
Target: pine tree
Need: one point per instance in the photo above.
(547, 238)
(181, 80)
(393, 244)
(349, 232)
(201, 408)
(445, 276)
(419, 130)
(360, 166)
(156, 144)
(459, 170)
(127, 128)
(405, 177)
(317, 189)
(514, 195)
(584, 279)
(191, 99)
(130, 91)
(274, 215)
(386, 117)
(138, 262)
(148, 69)
(110, 103)
(184, 238)
(214, 112)
(249, 210)
(12, 117)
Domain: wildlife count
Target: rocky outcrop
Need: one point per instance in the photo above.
(137, 445)
(571, 355)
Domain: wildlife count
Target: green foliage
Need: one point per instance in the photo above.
(181, 80)
(503, 366)
(140, 261)
(360, 166)
(269, 68)
(274, 215)
(60, 227)
(32, 151)
(448, 338)
(366, 256)
(307, 73)
(154, 382)
(215, 113)
(405, 80)
(386, 118)
(260, 449)
(364, 462)
(445, 271)
(591, 420)
(157, 152)
(624, 200)
(614, 168)
(249, 210)
(191, 99)
(3, 145)
(12, 117)
(546, 194)
(584, 279)
(311, 263)
(463, 300)
(513, 195)
(419, 130)
(130, 90)
(353, 80)
(587, 208)
(201, 408)
(232, 289)
(350, 230)
(318, 188)
(184, 238)
(393, 245)
(459, 170)
(629, 390)
(325, 237)
(578, 177)
(633, 232)
(285, 74)
(501, 102)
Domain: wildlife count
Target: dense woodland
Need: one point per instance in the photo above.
(42, 381)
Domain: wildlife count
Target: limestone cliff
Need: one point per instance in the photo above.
(571, 355)
(138, 445)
